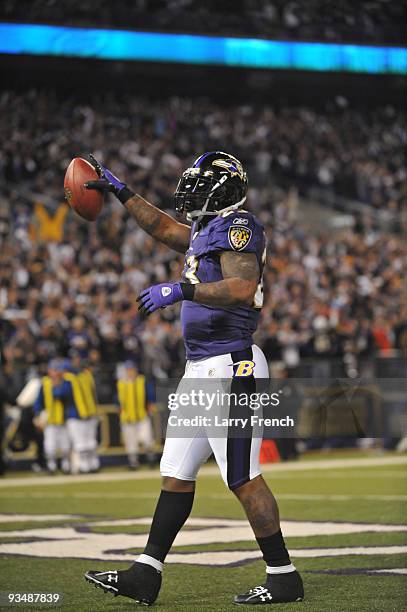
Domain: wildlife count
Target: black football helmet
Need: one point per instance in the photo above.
(216, 182)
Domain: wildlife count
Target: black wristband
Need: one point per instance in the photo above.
(188, 291)
(125, 194)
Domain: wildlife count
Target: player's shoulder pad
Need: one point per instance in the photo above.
(237, 229)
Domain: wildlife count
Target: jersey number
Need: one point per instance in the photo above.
(192, 267)
(259, 295)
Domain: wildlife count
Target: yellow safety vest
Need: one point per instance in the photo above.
(53, 407)
(88, 388)
(132, 399)
(78, 397)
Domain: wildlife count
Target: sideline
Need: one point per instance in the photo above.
(208, 470)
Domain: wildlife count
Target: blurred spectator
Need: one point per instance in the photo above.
(352, 153)
(78, 337)
(28, 430)
(346, 20)
(50, 416)
(135, 400)
(4, 399)
(87, 385)
(324, 297)
(400, 331)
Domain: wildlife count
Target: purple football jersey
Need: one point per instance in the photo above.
(210, 330)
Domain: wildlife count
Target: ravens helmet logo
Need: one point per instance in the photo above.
(215, 182)
(231, 165)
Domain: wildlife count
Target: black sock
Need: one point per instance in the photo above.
(274, 551)
(171, 512)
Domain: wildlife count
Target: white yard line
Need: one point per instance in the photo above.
(220, 558)
(394, 570)
(208, 470)
(153, 495)
(12, 518)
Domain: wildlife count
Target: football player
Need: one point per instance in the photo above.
(221, 294)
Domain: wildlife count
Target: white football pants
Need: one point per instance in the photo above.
(237, 457)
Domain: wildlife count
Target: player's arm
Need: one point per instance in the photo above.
(151, 219)
(240, 273)
(159, 224)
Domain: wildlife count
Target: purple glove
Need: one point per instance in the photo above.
(108, 182)
(159, 296)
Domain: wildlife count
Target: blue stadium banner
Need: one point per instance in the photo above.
(35, 39)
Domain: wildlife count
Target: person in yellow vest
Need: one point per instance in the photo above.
(77, 415)
(135, 400)
(88, 388)
(50, 412)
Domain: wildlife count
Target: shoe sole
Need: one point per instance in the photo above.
(112, 590)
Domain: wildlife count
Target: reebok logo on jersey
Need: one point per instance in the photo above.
(239, 237)
(165, 291)
(240, 221)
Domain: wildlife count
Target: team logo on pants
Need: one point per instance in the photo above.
(243, 368)
(239, 237)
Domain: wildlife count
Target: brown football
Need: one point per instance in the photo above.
(86, 202)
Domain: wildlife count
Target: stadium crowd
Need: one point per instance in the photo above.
(70, 287)
(368, 20)
(353, 153)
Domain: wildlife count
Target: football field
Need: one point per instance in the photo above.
(344, 518)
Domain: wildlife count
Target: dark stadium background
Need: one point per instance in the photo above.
(326, 168)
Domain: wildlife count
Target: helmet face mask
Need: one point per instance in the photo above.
(214, 183)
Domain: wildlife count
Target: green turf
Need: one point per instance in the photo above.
(201, 588)
(208, 589)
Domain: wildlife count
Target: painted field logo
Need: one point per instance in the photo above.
(78, 541)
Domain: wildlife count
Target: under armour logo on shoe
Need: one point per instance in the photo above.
(257, 595)
(112, 578)
(266, 596)
(258, 590)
